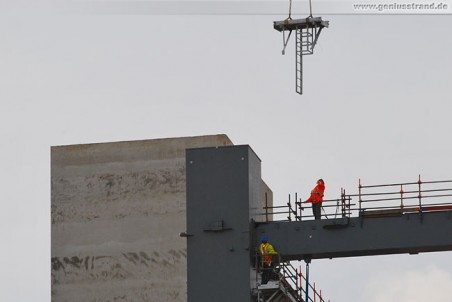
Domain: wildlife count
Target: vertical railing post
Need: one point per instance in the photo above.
(296, 279)
(301, 209)
(301, 282)
(344, 205)
(359, 194)
(296, 209)
(266, 208)
(419, 191)
(421, 213)
(401, 196)
(315, 294)
(349, 199)
(342, 202)
(290, 209)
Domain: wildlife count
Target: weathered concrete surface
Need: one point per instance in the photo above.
(117, 211)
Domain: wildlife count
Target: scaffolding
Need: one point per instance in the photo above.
(289, 285)
(372, 201)
(390, 199)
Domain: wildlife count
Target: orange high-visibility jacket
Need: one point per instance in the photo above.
(317, 193)
(266, 250)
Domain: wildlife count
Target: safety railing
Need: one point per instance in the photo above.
(371, 200)
(298, 210)
(289, 278)
(301, 288)
(399, 198)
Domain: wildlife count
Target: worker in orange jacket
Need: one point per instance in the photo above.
(316, 198)
(266, 251)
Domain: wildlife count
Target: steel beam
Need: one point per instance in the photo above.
(350, 237)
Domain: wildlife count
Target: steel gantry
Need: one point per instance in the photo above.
(227, 212)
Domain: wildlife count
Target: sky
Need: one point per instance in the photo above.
(376, 106)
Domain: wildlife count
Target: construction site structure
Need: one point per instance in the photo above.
(224, 224)
(118, 211)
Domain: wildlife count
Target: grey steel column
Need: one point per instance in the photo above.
(223, 195)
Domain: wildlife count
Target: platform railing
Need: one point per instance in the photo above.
(384, 199)
(300, 287)
(299, 210)
(398, 198)
(290, 279)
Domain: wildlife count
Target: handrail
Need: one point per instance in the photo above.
(291, 279)
(296, 282)
(370, 203)
(369, 199)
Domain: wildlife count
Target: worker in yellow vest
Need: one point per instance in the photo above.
(266, 251)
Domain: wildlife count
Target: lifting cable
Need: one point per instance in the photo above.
(286, 21)
(290, 11)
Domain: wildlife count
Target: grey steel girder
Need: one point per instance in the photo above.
(333, 238)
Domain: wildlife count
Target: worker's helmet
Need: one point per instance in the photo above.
(264, 238)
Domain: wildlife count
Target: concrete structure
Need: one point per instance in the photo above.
(117, 210)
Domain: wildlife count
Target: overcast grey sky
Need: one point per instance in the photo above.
(376, 106)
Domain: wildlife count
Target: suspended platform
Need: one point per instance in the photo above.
(310, 22)
(307, 33)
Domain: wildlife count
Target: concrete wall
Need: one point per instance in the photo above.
(117, 210)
